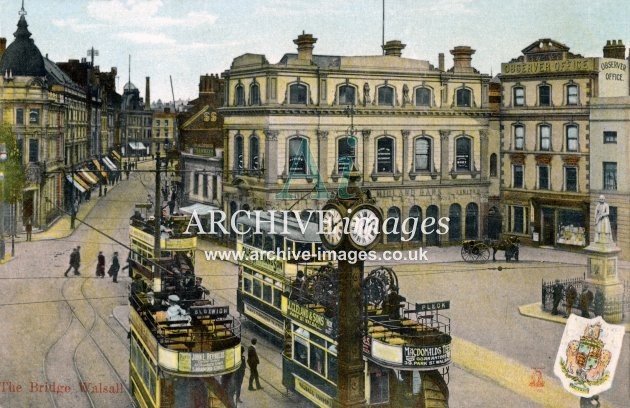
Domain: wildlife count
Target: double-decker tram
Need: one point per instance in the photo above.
(184, 347)
(406, 351)
(272, 259)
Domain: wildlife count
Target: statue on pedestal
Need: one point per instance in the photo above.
(603, 232)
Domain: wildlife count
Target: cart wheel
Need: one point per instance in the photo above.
(481, 252)
(467, 253)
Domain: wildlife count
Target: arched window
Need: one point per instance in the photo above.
(519, 96)
(493, 165)
(385, 155)
(519, 137)
(432, 236)
(346, 154)
(423, 97)
(572, 95)
(544, 95)
(254, 152)
(239, 158)
(298, 94)
(254, 94)
(415, 213)
(298, 155)
(463, 97)
(572, 138)
(422, 154)
(455, 223)
(347, 95)
(393, 224)
(385, 96)
(472, 221)
(240, 96)
(463, 151)
(544, 137)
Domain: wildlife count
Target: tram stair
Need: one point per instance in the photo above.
(434, 390)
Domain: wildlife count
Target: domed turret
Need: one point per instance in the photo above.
(22, 57)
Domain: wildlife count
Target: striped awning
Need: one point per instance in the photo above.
(75, 184)
(81, 181)
(88, 176)
(109, 164)
(116, 155)
(137, 146)
(98, 166)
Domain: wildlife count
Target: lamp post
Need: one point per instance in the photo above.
(158, 208)
(3, 158)
(73, 209)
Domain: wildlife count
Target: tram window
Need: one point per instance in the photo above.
(317, 359)
(258, 240)
(300, 351)
(318, 340)
(277, 297)
(247, 285)
(279, 243)
(267, 293)
(379, 387)
(268, 245)
(248, 238)
(257, 288)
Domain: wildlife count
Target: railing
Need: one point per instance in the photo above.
(569, 291)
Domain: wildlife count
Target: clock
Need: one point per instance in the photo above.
(332, 226)
(365, 226)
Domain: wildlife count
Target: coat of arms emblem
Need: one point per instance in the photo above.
(588, 354)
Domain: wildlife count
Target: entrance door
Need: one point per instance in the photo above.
(548, 227)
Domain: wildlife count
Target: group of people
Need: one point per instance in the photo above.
(75, 263)
(585, 299)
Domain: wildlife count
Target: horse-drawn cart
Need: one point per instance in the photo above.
(479, 251)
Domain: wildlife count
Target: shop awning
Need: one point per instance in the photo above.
(202, 209)
(109, 163)
(82, 182)
(137, 146)
(116, 155)
(75, 184)
(88, 176)
(99, 167)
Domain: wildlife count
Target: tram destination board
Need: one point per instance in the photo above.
(211, 312)
(431, 306)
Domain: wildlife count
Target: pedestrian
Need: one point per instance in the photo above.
(105, 191)
(29, 228)
(75, 261)
(557, 296)
(100, 265)
(240, 375)
(586, 298)
(171, 207)
(114, 268)
(252, 362)
(78, 261)
(571, 296)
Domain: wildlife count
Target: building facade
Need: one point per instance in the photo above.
(418, 135)
(135, 121)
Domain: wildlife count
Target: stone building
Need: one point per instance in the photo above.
(419, 136)
(135, 121)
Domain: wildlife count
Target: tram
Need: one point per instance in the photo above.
(262, 278)
(184, 347)
(406, 351)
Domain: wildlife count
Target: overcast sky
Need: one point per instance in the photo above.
(187, 38)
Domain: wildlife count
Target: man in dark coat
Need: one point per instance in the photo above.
(557, 296)
(252, 362)
(586, 298)
(571, 296)
(75, 261)
(100, 265)
(114, 268)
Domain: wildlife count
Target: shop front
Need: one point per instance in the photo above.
(561, 222)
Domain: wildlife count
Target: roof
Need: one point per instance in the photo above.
(22, 57)
(55, 75)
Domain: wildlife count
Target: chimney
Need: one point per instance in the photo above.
(441, 61)
(3, 45)
(394, 48)
(305, 46)
(614, 49)
(147, 95)
(462, 56)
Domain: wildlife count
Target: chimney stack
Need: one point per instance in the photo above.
(3, 45)
(615, 49)
(147, 95)
(394, 48)
(305, 46)
(441, 61)
(462, 57)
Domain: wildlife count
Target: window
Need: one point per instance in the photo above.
(423, 97)
(196, 184)
(517, 176)
(254, 94)
(544, 95)
(298, 155)
(393, 224)
(239, 159)
(610, 136)
(544, 137)
(33, 150)
(422, 154)
(214, 187)
(205, 185)
(33, 117)
(572, 95)
(346, 152)
(472, 221)
(297, 94)
(519, 96)
(493, 165)
(19, 116)
(166, 123)
(463, 153)
(254, 151)
(543, 177)
(518, 219)
(385, 155)
(610, 175)
(157, 122)
(455, 223)
(570, 179)
(572, 138)
(415, 213)
(347, 95)
(519, 137)
(386, 96)
(463, 97)
(240, 96)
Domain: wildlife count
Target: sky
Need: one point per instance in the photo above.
(184, 39)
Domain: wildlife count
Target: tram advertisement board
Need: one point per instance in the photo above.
(426, 356)
(309, 317)
(202, 362)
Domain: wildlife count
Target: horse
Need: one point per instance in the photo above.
(509, 244)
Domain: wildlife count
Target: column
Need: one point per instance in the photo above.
(484, 158)
(405, 155)
(322, 155)
(444, 151)
(365, 133)
(271, 152)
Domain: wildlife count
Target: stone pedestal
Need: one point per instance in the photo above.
(602, 276)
